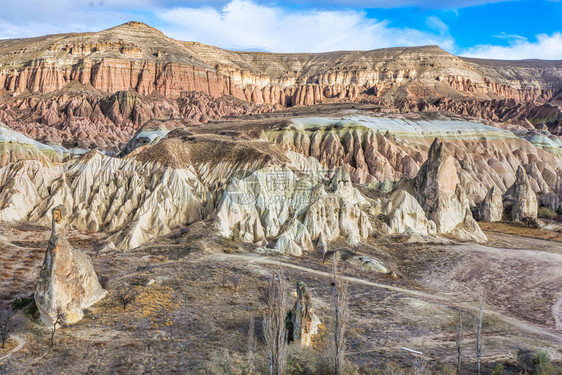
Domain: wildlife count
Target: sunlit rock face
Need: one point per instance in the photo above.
(522, 198)
(491, 208)
(295, 186)
(407, 216)
(267, 205)
(67, 282)
(442, 197)
(303, 320)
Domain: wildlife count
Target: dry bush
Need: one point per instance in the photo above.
(340, 289)
(126, 295)
(60, 319)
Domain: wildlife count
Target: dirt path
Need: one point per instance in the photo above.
(445, 300)
(21, 343)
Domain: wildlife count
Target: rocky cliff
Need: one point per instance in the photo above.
(158, 72)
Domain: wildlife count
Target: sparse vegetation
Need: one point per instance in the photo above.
(7, 323)
(20, 302)
(60, 319)
(458, 339)
(547, 213)
(536, 362)
(126, 295)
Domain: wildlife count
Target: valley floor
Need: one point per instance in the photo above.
(188, 314)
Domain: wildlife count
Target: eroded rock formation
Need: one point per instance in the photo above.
(67, 280)
(491, 208)
(285, 185)
(521, 197)
(304, 321)
(442, 197)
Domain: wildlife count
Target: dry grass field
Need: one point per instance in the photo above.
(189, 317)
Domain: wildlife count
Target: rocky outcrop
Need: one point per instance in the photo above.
(491, 208)
(442, 197)
(405, 215)
(91, 120)
(304, 321)
(286, 185)
(67, 282)
(522, 199)
(274, 204)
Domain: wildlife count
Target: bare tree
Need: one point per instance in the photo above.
(478, 329)
(7, 323)
(340, 288)
(230, 278)
(459, 342)
(274, 328)
(126, 295)
(252, 343)
(60, 319)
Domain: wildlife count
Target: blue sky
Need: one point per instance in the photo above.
(508, 29)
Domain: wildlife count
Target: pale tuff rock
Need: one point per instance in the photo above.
(368, 263)
(67, 279)
(491, 208)
(304, 321)
(522, 197)
(406, 215)
(268, 204)
(441, 196)
(137, 201)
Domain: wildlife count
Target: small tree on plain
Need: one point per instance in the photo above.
(252, 342)
(274, 328)
(126, 295)
(478, 329)
(340, 288)
(60, 319)
(7, 323)
(459, 342)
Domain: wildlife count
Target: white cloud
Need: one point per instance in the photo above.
(547, 47)
(244, 24)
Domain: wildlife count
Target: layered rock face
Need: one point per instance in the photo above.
(67, 282)
(164, 73)
(93, 120)
(304, 321)
(491, 208)
(522, 198)
(442, 197)
(136, 56)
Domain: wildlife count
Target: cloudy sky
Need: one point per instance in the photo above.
(503, 29)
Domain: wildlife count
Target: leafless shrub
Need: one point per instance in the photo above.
(60, 319)
(340, 287)
(478, 329)
(8, 323)
(459, 342)
(252, 343)
(274, 329)
(126, 295)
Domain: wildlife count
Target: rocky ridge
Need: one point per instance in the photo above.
(96, 89)
(292, 186)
